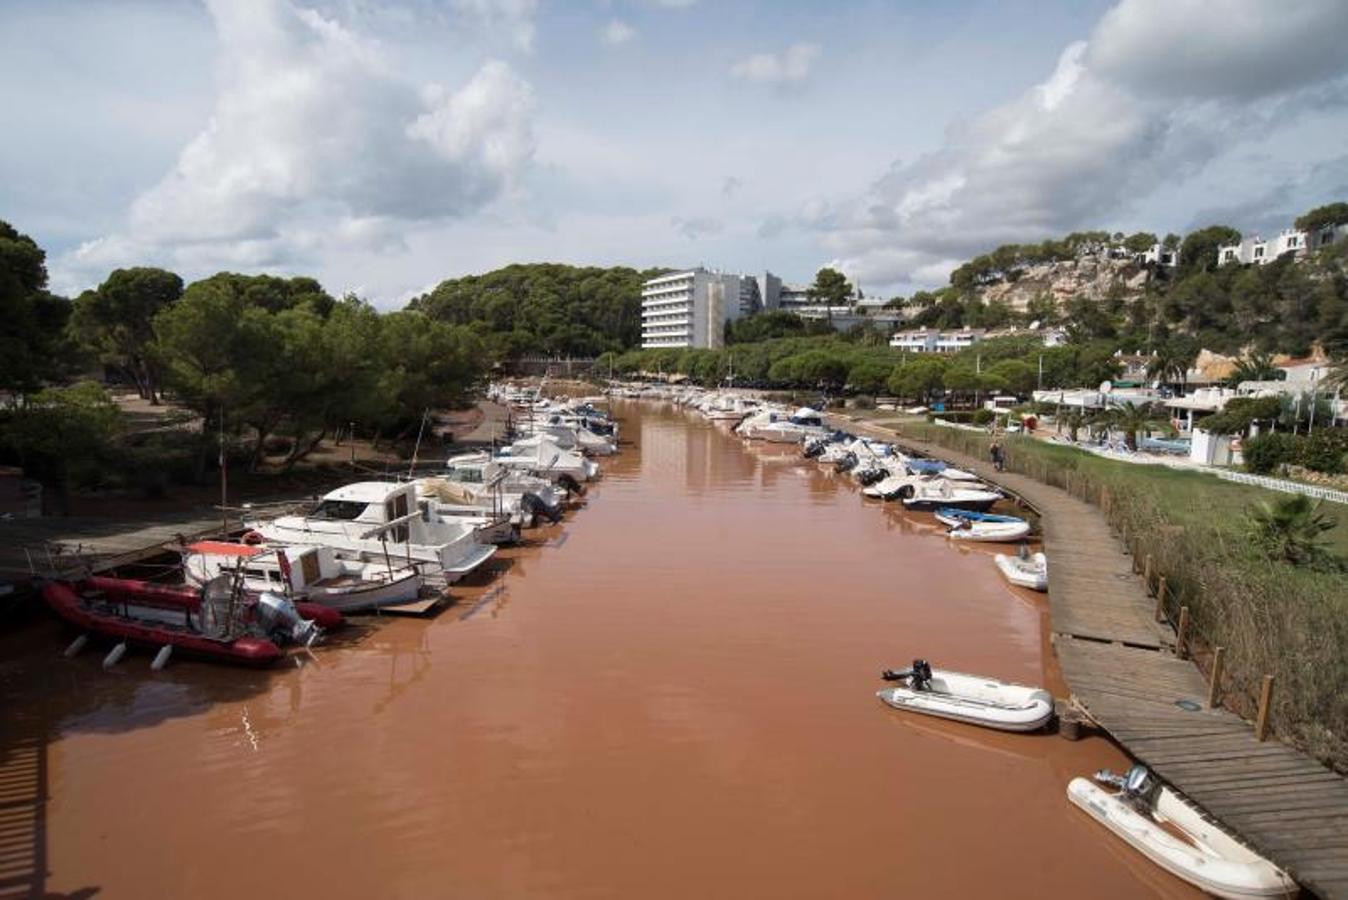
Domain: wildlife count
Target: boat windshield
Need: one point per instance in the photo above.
(345, 510)
(465, 476)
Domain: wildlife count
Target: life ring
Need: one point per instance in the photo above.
(253, 538)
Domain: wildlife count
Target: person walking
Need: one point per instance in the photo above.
(995, 452)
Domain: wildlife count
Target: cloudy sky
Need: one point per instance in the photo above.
(383, 145)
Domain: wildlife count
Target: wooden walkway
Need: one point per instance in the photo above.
(1120, 666)
(67, 546)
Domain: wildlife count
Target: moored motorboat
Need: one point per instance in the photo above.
(379, 520)
(216, 622)
(1146, 814)
(967, 525)
(315, 573)
(974, 699)
(890, 487)
(937, 493)
(1024, 571)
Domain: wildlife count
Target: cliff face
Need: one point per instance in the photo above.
(1092, 277)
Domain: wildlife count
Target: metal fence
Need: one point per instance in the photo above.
(1287, 487)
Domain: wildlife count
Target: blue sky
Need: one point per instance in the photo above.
(385, 146)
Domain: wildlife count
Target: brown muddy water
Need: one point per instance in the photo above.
(670, 694)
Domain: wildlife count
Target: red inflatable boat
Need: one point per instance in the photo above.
(151, 614)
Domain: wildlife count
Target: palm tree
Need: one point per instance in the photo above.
(1292, 530)
(1130, 418)
(1255, 366)
(1073, 419)
(1170, 363)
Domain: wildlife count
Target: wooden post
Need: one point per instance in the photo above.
(1146, 573)
(1160, 600)
(1181, 633)
(1215, 676)
(1265, 701)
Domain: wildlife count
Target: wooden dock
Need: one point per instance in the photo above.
(70, 545)
(1121, 668)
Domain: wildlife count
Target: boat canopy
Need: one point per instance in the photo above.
(807, 416)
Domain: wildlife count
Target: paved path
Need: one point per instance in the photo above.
(1121, 668)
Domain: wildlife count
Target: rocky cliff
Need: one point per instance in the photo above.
(1093, 277)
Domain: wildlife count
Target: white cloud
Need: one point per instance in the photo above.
(617, 32)
(516, 17)
(791, 66)
(1237, 49)
(314, 147)
(697, 226)
(1117, 120)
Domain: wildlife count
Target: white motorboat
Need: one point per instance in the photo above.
(316, 574)
(1027, 572)
(1146, 814)
(775, 426)
(490, 484)
(377, 520)
(968, 698)
(569, 432)
(974, 526)
(540, 456)
(937, 493)
(889, 487)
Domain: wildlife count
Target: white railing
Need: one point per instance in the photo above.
(1287, 487)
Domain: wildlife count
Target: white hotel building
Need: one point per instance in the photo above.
(690, 309)
(1257, 251)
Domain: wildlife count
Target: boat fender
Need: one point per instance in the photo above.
(114, 655)
(161, 658)
(76, 646)
(253, 538)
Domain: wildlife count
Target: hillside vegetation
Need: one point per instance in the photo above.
(1286, 306)
(544, 309)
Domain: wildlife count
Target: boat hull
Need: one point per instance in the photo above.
(1215, 863)
(67, 603)
(976, 701)
(1035, 579)
(931, 504)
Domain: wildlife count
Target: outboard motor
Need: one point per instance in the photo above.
(920, 679)
(276, 613)
(814, 448)
(847, 463)
(569, 482)
(1136, 785)
(535, 506)
(871, 476)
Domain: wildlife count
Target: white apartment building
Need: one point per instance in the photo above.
(923, 340)
(1159, 256)
(690, 309)
(1257, 251)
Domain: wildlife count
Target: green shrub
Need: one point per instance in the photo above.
(982, 416)
(1322, 451)
(1266, 452)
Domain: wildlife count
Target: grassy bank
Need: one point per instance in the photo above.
(1271, 617)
